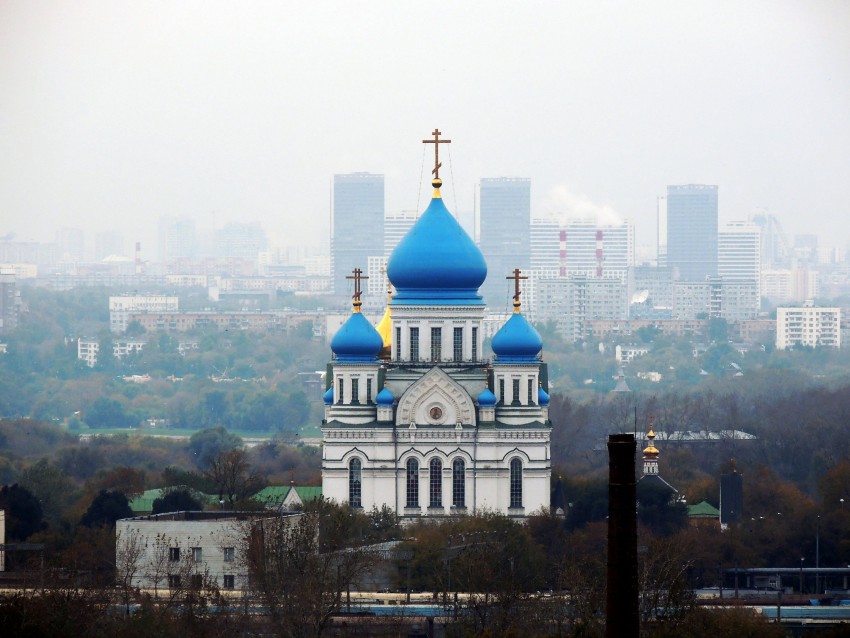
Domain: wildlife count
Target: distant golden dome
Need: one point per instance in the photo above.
(650, 451)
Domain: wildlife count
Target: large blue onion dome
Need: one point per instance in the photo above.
(436, 261)
(487, 399)
(385, 397)
(357, 339)
(328, 396)
(542, 397)
(517, 341)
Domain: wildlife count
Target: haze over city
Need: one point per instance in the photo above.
(115, 114)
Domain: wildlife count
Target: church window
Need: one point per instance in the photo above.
(414, 344)
(459, 483)
(436, 344)
(340, 395)
(398, 344)
(502, 391)
(355, 391)
(354, 483)
(369, 391)
(435, 480)
(412, 483)
(458, 344)
(475, 344)
(516, 483)
(515, 392)
(531, 392)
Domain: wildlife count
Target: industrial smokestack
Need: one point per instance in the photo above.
(138, 257)
(621, 611)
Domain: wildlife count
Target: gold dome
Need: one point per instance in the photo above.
(385, 329)
(650, 451)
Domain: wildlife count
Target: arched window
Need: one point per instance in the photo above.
(355, 491)
(516, 483)
(435, 480)
(412, 483)
(459, 483)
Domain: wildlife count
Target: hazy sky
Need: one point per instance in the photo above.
(114, 113)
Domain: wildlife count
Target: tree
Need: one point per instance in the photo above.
(659, 509)
(23, 512)
(208, 443)
(176, 500)
(49, 485)
(299, 581)
(230, 472)
(106, 412)
(106, 508)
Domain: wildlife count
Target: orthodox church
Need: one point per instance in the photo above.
(415, 417)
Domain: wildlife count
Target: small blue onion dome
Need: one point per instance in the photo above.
(328, 397)
(356, 340)
(486, 399)
(385, 397)
(542, 397)
(517, 341)
(436, 261)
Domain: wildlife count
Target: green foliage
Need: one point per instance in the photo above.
(659, 508)
(109, 413)
(208, 443)
(106, 508)
(176, 500)
(23, 512)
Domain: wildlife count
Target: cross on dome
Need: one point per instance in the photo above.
(437, 182)
(516, 277)
(357, 276)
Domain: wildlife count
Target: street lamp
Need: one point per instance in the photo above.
(801, 574)
(817, 556)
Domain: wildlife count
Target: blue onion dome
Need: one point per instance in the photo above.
(517, 340)
(357, 339)
(436, 261)
(542, 397)
(385, 397)
(328, 397)
(486, 399)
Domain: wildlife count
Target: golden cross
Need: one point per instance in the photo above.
(516, 277)
(436, 142)
(357, 277)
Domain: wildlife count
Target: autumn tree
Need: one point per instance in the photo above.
(231, 474)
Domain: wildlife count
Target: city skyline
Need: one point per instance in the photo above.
(117, 114)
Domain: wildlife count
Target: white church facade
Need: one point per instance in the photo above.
(415, 418)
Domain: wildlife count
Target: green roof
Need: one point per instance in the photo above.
(143, 503)
(272, 495)
(703, 509)
(309, 493)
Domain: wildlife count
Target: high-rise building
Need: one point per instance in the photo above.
(240, 241)
(358, 225)
(396, 226)
(603, 251)
(71, 244)
(692, 230)
(504, 237)
(10, 301)
(108, 243)
(545, 240)
(739, 255)
(178, 239)
(775, 252)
